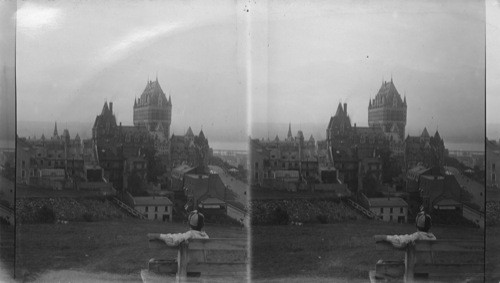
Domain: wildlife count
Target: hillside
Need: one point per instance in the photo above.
(104, 251)
(326, 252)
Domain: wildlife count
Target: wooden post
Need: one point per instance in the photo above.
(182, 261)
(410, 263)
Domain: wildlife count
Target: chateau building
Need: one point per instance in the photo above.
(388, 111)
(349, 145)
(153, 110)
(114, 145)
(189, 149)
(426, 150)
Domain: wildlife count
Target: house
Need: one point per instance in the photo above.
(389, 209)
(153, 207)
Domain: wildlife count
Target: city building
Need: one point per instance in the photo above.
(153, 207)
(153, 110)
(389, 209)
(388, 111)
(290, 160)
(425, 150)
(189, 149)
(349, 145)
(492, 164)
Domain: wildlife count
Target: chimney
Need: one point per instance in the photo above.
(345, 108)
(111, 107)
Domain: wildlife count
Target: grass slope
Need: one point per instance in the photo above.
(114, 250)
(343, 252)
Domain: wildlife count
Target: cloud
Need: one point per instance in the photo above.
(138, 39)
(32, 18)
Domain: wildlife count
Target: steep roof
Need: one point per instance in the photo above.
(437, 136)
(425, 134)
(189, 132)
(153, 94)
(388, 95)
(289, 135)
(386, 202)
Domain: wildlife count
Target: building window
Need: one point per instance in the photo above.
(147, 208)
(390, 210)
(492, 166)
(156, 216)
(166, 208)
(256, 165)
(156, 208)
(400, 210)
(390, 218)
(381, 210)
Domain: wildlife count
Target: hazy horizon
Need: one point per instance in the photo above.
(233, 72)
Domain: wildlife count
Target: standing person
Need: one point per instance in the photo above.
(196, 222)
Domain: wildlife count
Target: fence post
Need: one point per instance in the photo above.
(410, 263)
(182, 261)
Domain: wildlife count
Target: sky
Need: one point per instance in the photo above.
(75, 55)
(238, 68)
(7, 73)
(493, 69)
(314, 54)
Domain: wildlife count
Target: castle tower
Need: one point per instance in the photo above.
(153, 108)
(387, 110)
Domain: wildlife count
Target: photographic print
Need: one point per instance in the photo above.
(131, 149)
(249, 141)
(367, 141)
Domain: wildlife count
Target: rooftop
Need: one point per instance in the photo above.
(387, 202)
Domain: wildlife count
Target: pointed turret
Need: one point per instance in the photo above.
(277, 139)
(437, 137)
(55, 130)
(311, 140)
(340, 111)
(189, 133)
(201, 135)
(425, 134)
(289, 135)
(105, 108)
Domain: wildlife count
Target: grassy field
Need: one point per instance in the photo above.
(94, 251)
(493, 254)
(342, 252)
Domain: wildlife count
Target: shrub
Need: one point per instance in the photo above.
(280, 217)
(46, 215)
(323, 219)
(87, 217)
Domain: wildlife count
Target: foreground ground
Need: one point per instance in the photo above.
(342, 252)
(493, 254)
(94, 251)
